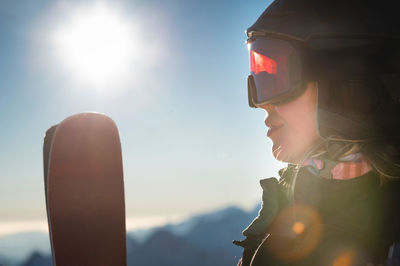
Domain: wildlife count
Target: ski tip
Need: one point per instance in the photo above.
(90, 116)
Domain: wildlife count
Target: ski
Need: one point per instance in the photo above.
(85, 191)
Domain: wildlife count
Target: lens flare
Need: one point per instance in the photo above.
(298, 228)
(344, 259)
(295, 233)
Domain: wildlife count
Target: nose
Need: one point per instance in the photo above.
(269, 113)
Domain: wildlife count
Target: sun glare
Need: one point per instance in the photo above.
(96, 45)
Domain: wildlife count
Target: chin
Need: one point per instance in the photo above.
(284, 155)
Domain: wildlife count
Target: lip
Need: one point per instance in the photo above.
(273, 129)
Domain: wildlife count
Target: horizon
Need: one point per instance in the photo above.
(11, 228)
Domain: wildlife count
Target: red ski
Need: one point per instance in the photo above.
(85, 192)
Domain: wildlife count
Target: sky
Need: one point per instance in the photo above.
(174, 83)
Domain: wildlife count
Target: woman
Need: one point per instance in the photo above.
(327, 75)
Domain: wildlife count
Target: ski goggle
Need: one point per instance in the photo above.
(275, 71)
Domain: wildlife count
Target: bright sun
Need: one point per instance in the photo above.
(96, 45)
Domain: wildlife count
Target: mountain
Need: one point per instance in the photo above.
(202, 240)
(15, 248)
(218, 233)
(184, 227)
(4, 261)
(164, 248)
(37, 259)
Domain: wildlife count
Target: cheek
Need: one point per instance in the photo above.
(300, 116)
(300, 127)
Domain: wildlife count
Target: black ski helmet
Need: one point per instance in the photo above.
(352, 52)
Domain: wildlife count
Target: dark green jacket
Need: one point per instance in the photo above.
(310, 220)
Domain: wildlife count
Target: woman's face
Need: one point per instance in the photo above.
(293, 126)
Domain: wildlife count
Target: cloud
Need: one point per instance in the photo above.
(144, 222)
(13, 227)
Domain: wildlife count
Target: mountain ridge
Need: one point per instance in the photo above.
(201, 240)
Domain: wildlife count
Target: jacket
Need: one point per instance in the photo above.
(309, 220)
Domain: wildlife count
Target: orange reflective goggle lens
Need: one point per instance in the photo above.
(275, 70)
